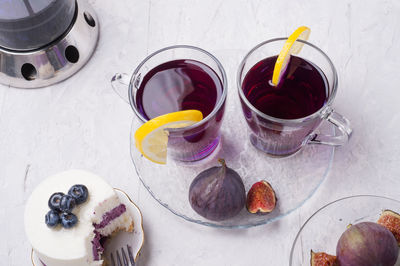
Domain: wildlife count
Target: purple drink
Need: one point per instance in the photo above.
(302, 92)
(283, 129)
(178, 85)
(185, 84)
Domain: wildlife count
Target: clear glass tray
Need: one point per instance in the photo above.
(294, 179)
(323, 229)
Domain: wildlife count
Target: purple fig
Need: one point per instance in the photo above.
(217, 193)
(367, 244)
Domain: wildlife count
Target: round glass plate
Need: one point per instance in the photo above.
(294, 179)
(324, 228)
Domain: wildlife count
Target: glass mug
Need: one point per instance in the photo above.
(191, 143)
(283, 137)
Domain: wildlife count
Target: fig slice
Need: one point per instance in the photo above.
(261, 198)
(323, 259)
(391, 220)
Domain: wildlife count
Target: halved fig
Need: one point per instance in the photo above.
(323, 259)
(391, 220)
(261, 198)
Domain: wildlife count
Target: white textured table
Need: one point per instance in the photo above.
(81, 123)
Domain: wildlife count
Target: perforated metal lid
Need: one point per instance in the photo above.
(32, 24)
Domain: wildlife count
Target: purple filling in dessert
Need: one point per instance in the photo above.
(111, 215)
(98, 240)
(97, 246)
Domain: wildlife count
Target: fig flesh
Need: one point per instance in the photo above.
(391, 221)
(217, 193)
(323, 259)
(261, 198)
(367, 244)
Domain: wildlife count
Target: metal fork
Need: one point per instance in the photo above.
(122, 259)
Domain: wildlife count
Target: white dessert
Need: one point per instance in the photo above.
(100, 216)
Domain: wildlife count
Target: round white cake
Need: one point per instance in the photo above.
(101, 215)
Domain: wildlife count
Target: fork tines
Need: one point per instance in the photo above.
(126, 260)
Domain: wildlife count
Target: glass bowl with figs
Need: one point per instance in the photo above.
(358, 230)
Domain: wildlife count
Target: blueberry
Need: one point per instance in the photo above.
(55, 200)
(68, 220)
(52, 218)
(79, 193)
(67, 203)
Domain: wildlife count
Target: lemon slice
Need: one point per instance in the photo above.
(152, 137)
(290, 47)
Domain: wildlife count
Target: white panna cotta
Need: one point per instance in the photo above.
(100, 216)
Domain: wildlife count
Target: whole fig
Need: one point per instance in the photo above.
(217, 193)
(367, 244)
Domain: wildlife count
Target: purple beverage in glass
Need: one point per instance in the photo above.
(178, 85)
(302, 92)
(284, 118)
(182, 78)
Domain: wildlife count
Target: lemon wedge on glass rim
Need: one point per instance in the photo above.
(291, 46)
(151, 138)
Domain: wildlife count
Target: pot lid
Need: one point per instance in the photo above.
(32, 24)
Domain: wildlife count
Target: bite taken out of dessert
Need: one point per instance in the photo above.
(70, 216)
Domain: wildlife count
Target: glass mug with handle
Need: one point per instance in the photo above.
(283, 119)
(177, 78)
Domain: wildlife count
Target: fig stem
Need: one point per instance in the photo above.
(223, 169)
(222, 162)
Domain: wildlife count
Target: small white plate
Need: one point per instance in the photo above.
(134, 239)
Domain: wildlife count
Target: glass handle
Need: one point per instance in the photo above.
(120, 84)
(342, 124)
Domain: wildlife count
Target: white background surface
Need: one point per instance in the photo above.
(81, 123)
